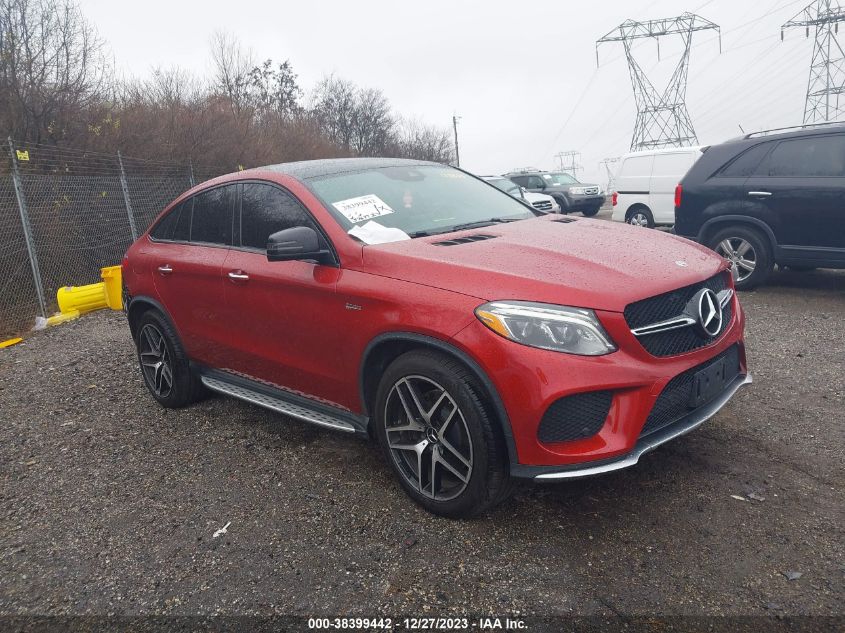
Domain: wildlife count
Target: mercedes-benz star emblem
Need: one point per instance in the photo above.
(709, 312)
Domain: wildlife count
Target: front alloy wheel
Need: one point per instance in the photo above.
(432, 423)
(428, 438)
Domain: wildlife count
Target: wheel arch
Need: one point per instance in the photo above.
(711, 226)
(635, 206)
(138, 306)
(385, 348)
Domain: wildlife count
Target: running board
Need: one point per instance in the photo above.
(279, 405)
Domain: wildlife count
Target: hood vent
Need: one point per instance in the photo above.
(566, 220)
(478, 237)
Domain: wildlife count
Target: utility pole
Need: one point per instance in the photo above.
(570, 162)
(457, 151)
(827, 68)
(662, 117)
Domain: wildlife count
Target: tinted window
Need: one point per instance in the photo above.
(182, 230)
(522, 181)
(813, 157)
(746, 163)
(265, 210)
(212, 217)
(164, 229)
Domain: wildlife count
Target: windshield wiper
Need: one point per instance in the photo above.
(480, 223)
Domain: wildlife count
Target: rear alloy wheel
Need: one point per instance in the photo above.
(436, 435)
(748, 253)
(164, 365)
(640, 216)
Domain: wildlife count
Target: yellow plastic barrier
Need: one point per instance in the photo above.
(63, 317)
(82, 298)
(114, 287)
(76, 300)
(10, 342)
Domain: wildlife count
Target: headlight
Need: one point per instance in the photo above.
(552, 327)
(578, 191)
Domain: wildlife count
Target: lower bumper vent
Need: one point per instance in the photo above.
(575, 417)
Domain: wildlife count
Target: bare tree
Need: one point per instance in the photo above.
(424, 142)
(52, 69)
(359, 120)
(232, 66)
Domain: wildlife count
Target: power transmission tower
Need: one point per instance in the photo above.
(570, 162)
(611, 173)
(662, 118)
(827, 70)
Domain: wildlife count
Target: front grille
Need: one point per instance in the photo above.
(575, 417)
(543, 205)
(672, 304)
(591, 191)
(673, 402)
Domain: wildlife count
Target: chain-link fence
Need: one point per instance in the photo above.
(65, 213)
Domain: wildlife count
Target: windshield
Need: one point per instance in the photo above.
(559, 178)
(508, 186)
(417, 200)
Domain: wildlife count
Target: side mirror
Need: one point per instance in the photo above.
(297, 243)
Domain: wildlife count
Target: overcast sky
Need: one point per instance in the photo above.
(522, 76)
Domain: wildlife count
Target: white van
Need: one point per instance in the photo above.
(645, 185)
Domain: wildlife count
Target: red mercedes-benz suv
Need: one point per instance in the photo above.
(477, 340)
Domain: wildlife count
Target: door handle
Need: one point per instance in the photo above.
(238, 275)
(165, 269)
(760, 194)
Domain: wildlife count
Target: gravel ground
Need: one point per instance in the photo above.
(109, 503)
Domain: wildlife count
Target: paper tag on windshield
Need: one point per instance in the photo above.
(547, 176)
(374, 233)
(362, 208)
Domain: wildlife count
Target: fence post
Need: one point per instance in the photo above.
(125, 188)
(27, 229)
(191, 172)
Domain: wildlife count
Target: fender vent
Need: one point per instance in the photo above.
(565, 220)
(478, 237)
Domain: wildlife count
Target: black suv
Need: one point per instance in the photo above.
(769, 198)
(570, 194)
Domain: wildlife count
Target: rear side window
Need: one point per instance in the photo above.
(522, 181)
(265, 210)
(212, 217)
(812, 157)
(176, 225)
(746, 163)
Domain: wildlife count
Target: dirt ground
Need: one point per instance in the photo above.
(109, 503)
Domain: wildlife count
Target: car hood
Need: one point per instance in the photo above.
(584, 263)
(537, 197)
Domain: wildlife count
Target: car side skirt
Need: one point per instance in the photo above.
(285, 402)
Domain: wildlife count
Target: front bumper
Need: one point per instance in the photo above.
(529, 381)
(578, 203)
(643, 446)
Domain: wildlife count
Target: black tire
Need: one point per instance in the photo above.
(638, 214)
(590, 212)
(487, 480)
(760, 251)
(185, 387)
